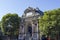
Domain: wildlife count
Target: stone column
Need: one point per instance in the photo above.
(21, 33)
(35, 31)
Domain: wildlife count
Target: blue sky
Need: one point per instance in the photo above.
(18, 6)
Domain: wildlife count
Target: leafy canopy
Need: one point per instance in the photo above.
(49, 24)
(10, 24)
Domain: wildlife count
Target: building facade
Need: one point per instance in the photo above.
(29, 29)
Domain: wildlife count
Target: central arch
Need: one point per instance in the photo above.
(29, 28)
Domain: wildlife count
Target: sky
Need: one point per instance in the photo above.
(18, 6)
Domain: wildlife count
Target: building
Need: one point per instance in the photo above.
(29, 29)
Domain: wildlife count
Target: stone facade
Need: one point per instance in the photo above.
(29, 29)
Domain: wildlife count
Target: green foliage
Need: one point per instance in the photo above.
(50, 22)
(10, 24)
(0, 25)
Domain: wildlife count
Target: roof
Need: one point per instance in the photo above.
(30, 9)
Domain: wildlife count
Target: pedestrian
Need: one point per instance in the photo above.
(43, 37)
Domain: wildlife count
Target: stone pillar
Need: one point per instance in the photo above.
(21, 33)
(35, 31)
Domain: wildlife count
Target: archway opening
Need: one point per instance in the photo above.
(30, 30)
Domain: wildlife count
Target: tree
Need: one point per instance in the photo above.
(0, 25)
(10, 24)
(50, 22)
